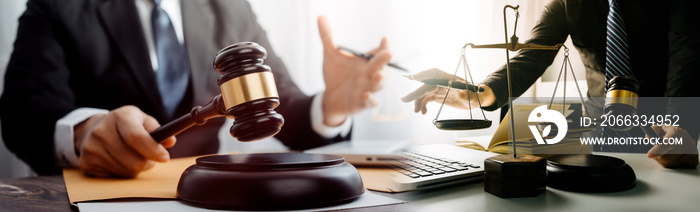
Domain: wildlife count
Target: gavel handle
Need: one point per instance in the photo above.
(199, 115)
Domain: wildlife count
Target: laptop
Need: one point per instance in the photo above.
(413, 167)
(365, 152)
(417, 167)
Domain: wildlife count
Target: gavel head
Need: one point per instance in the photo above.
(248, 91)
(622, 98)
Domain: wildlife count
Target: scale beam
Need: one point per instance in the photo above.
(513, 46)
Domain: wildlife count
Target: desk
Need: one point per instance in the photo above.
(658, 189)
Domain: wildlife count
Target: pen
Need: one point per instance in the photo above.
(456, 84)
(367, 57)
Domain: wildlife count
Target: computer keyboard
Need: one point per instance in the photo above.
(434, 165)
(416, 165)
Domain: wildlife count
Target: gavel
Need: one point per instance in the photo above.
(622, 93)
(248, 95)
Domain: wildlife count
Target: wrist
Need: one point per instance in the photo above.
(331, 120)
(331, 117)
(488, 97)
(82, 130)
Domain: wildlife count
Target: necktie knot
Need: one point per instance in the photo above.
(156, 2)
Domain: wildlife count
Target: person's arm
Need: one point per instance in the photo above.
(528, 65)
(350, 80)
(457, 98)
(295, 106)
(681, 83)
(317, 121)
(37, 91)
(683, 155)
(88, 132)
(119, 144)
(64, 142)
(684, 60)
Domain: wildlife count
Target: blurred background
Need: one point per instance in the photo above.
(421, 35)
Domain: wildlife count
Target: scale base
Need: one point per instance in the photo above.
(507, 176)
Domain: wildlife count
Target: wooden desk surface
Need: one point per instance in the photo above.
(47, 193)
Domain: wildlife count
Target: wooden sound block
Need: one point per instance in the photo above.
(507, 176)
(589, 173)
(269, 181)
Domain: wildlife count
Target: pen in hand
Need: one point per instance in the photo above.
(367, 57)
(438, 82)
(445, 82)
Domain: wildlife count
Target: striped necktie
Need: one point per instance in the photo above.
(172, 74)
(617, 60)
(617, 63)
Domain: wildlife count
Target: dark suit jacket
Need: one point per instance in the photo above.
(92, 53)
(664, 41)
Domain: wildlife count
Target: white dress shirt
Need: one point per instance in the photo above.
(63, 134)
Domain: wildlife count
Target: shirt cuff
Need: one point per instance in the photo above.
(64, 145)
(318, 125)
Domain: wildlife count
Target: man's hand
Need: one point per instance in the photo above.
(118, 144)
(674, 156)
(349, 79)
(457, 98)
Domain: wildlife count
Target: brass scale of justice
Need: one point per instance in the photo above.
(560, 170)
(513, 45)
(600, 173)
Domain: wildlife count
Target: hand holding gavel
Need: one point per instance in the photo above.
(119, 143)
(622, 93)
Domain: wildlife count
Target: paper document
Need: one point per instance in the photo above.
(368, 199)
(158, 182)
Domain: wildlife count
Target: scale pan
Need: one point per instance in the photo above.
(462, 124)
